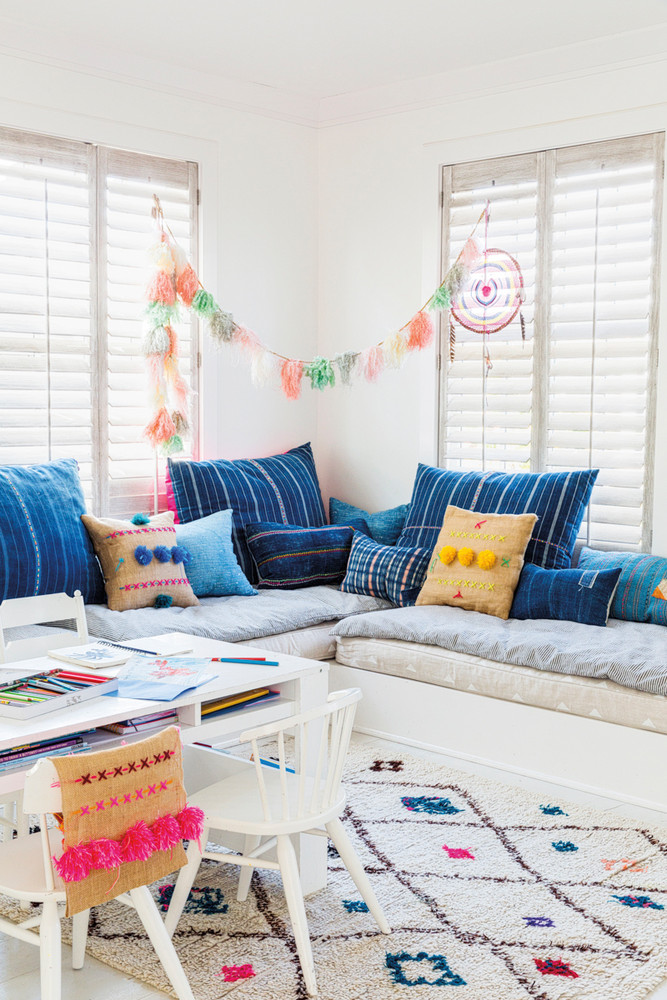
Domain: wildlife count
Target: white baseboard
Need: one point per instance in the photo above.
(588, 755)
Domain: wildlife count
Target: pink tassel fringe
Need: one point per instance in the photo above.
(105, 854)
(291, 373)
(246, 340)
(166, 831)
(138, 843)
(187, 285)
(75, 863)
(191, 820)
(471, 253)
(420, 331)
(161, 289)
(372, 363)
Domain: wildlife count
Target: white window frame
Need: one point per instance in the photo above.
(546, 173)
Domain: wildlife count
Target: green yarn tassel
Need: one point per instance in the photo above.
(441, 299)
(159, 314)
(204, 303)
(156, 341)
(347, 362)
(174, 444)
(320, 372)
(221, 325)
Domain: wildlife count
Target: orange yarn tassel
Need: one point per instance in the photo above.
(187, 285)
(161, 289)
(291, 373)
(173, 341)
(420, 331)
(372, 363)
(161, 428)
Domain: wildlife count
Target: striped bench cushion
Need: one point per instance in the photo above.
(558, 498)
(282, 488)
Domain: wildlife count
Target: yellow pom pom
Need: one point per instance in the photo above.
(466, 556)
(486, 559)
(447, 554)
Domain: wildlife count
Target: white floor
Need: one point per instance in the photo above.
(19, 962)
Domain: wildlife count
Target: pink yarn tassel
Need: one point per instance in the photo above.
(246, 340)
(191, 821)
(138, 843)
(173, 340)
(105, 853)
(372, 363)
(155, 369)
(161, 428)
(420, 331)
(187, 284)
(291, 373)
(166, 831)
(75, 864)
(161, 289)
(178, 384)
(471, 253)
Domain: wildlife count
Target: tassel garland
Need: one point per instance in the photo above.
(291, 373)
(347, 362)
(441, 299)
(221, 325)
(262, 367)
(395, 350)
(161, 289)
(372, 363)
(320, 372)
(187, 285)
(420, 331)
(204, 303)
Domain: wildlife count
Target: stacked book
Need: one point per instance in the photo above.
(26, 755)
(143, 723)
(210, 709)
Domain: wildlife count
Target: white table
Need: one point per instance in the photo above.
(303, 684)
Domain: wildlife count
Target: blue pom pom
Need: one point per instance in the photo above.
(163, 601)
(143, 555)
(141, 519)
(180, 555)
(162, 553)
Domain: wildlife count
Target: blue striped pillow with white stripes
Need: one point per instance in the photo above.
(282, 488)
(558, 498)
(291, 557)
(397, 574)
(44, 547)
(641, 575)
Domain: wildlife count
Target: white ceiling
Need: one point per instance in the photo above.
(316, 50)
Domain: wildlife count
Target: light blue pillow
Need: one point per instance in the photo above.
(384, 527)
(213, 570)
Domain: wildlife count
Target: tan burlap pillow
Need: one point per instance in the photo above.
(129, 582)
(104, 796)
(477, 561)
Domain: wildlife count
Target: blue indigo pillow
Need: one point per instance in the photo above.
(389, 571)
(643, 581)
(44, 547)
(575, 595)
(558, 498)
(213, 569)
(288, 556)
(282, 488)
(384, 526)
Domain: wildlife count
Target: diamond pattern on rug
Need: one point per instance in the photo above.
(482, 905)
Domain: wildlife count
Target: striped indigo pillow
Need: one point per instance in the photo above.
(282, 488)
(288, 556)
(643, 580)
(558, 498)
(395, 573)
(574, 595)
(384, 526)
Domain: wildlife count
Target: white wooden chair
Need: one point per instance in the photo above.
(21, 611)
(18, 612)
(269, 805)
(26, 874)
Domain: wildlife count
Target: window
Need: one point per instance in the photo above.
(583, 223)
(75, 226)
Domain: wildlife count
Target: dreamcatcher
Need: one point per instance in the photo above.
(490, 300)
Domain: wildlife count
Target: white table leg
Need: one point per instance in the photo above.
(312, 691)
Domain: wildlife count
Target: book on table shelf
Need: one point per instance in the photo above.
(28, 753)
(209, 709)
(143, 723)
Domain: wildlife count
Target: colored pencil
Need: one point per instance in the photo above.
(260, 661)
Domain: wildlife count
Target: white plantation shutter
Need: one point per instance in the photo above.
(581, 394)
(75, 225)
(46, 334)
(128, 183)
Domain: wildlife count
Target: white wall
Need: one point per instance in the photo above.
(258, 224)
(379, 249)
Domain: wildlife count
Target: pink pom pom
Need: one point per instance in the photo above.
(105, 853)
(291, 373)
(191, 821)
(161, 289)
(161, 428)
(167, 832)
(420, 331)
(138, 843)
(75, 864)
(471, 253)
(372, 363)
(187, 284)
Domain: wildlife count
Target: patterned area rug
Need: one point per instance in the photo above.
(492, 894)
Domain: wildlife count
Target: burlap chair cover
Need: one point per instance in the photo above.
(105, 795)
